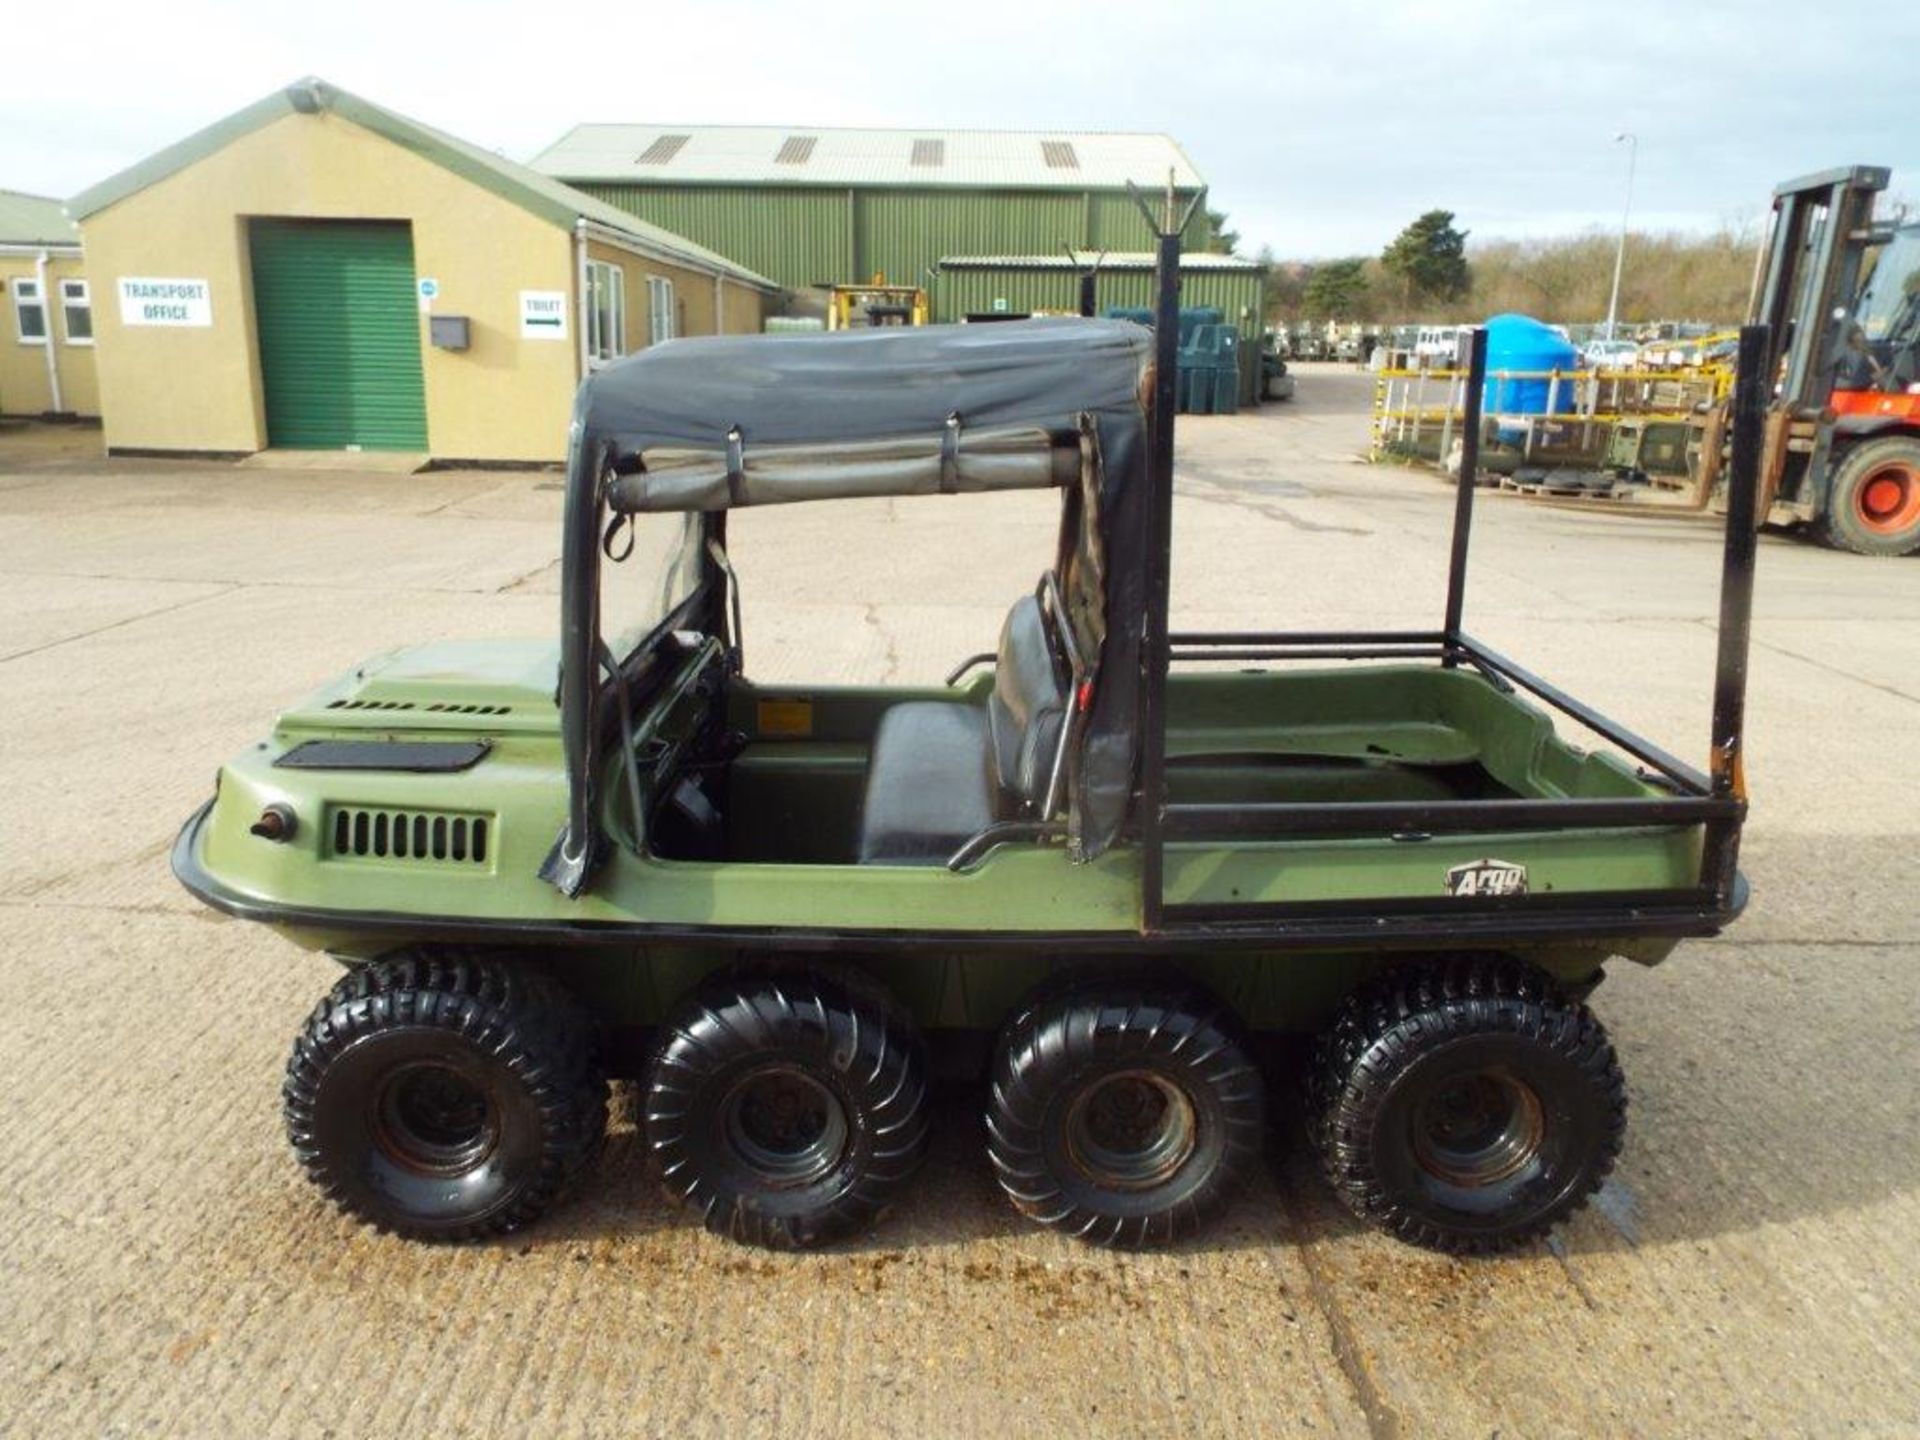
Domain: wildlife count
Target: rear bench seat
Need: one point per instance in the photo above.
(942, 772)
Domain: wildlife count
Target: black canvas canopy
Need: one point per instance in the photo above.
(857, 385)
(715, 423)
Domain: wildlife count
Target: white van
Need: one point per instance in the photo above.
(1437, 345)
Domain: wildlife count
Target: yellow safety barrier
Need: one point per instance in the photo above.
(1416, 408)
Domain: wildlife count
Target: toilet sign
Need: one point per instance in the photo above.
(148, 301)
(543, 315)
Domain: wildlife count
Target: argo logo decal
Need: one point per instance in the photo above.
(1487, 877)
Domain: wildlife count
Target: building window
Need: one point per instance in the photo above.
(76, 312)
(29, 312)
(606, 312)
(660, 310)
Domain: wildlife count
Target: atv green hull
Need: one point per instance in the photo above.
(363, 875)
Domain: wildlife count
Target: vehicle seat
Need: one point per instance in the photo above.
(940, 772)
(1027, 708)
(929, 785)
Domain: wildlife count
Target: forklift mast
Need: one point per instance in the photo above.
(1810, 278)
(1806, 288)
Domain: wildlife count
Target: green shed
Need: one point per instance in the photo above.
(811, 206)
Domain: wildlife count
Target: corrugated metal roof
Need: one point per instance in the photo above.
(34, 220)
(1129, 260)
(750, 154)
(541, 194)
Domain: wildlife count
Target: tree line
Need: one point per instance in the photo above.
(1431, 273)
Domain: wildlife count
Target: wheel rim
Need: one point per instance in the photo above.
(1131, 1130)
(1479, 1130)
(433, 1120)
(1888, 500)
(784, 1126)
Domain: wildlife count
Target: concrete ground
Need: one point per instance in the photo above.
(165, 1269)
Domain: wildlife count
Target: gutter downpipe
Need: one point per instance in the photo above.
(580, 295)
(54, 397)
(719, 304)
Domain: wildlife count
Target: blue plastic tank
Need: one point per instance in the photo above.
(1522, 343)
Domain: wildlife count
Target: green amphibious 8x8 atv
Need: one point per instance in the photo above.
(1091, 865)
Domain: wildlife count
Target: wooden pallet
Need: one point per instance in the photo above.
(1550, 489)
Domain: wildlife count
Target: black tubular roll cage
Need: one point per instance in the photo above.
(1716, 800)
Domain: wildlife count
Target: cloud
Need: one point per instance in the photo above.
(1322, 129)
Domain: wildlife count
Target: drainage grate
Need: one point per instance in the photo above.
(410, 835)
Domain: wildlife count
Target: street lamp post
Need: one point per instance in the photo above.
(1620, 252)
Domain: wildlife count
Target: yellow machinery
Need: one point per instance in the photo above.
(856, 307)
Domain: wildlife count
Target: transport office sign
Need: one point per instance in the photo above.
(148, 301)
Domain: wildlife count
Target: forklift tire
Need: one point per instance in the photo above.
(1873, 507)
(788, 1111)
(1466, 1105)
(445, 1098)
(1125, 1116)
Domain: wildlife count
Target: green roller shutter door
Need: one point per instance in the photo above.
(339, 333)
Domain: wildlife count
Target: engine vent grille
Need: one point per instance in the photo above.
(432, 837)
(439, 707)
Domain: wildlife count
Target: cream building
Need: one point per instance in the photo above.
(46, 348)
(317, 272)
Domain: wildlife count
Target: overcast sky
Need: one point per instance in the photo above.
(1322, 128)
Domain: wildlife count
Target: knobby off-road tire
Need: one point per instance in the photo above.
(1465, 1105)
(445, 1098)
(787, 1111)
(1874, 505)
(1124, 1117)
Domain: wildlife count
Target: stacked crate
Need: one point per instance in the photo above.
(1208, 382)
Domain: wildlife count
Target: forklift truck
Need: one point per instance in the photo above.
(1841, 459)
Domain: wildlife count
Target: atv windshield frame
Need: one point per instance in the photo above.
(711, 424)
